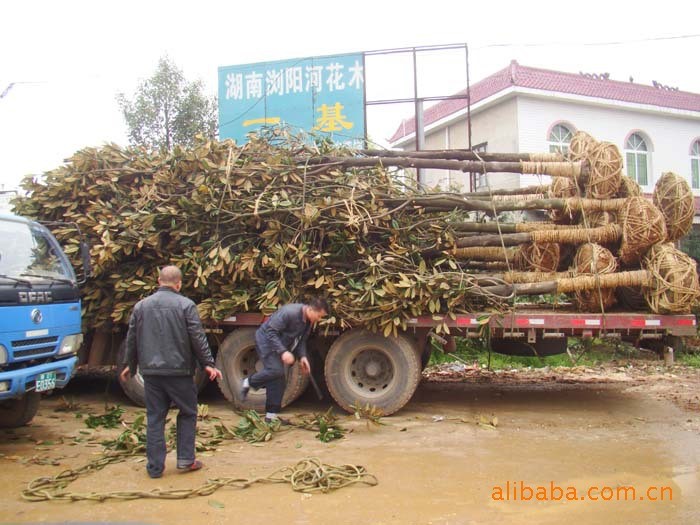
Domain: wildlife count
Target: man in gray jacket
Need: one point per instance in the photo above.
(166, 341)
(282, 336)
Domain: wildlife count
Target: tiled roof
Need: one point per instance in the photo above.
(556, 82)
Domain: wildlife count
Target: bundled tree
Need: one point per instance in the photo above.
(167, 110)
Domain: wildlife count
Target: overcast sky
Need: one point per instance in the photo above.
(68, 59)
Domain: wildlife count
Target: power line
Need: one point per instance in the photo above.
(590, 44)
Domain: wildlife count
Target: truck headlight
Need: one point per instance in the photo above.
(3, 355)
(70, 344)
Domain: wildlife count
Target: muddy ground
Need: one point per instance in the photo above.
(466, 433)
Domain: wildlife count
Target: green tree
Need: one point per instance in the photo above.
(167, 109)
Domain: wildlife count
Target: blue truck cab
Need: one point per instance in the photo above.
(40, 330)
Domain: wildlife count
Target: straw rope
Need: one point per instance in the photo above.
(596, 219)
(612, 280)
(675, 287)
(535, 277)
(562, 188)
(555, 169)
(484, 253)
(606, 171)
(547, 157)
(628, 187)
(308, 475)
(643, 225)
(673, 196)
(593, 259)
(580, 146)
(602, 234)
(538, 257)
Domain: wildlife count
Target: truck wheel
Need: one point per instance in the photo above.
(133, 386)
(370, 369)
(18, 412)
(237, 359)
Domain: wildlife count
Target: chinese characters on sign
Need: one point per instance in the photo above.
(321, 94)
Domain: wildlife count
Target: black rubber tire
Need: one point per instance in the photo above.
(133, 386)
(370, 369)
(237, 359)
(18, 412)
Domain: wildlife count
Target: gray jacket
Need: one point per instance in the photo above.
(166, 336)
(285, 330)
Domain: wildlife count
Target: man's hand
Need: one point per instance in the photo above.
(212, 372)
(305, 366)
(288, 358)
(124, 375)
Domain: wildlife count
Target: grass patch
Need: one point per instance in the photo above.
(591, 353)
(688, 360)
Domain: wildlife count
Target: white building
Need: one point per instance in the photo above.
(524, 109)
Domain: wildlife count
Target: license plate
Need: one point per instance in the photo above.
(46, 381)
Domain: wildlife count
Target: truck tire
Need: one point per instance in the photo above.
(237, 359)
(18, 412)
(370, 369)
(133, 386)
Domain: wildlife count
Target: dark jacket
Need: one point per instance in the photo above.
(166, 336)
(285, 330)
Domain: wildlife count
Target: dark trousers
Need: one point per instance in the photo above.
(161, 391)
(272, 377)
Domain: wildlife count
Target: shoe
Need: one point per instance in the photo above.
(282, 422)
(155, 476)
(196, 465)
(243, 392)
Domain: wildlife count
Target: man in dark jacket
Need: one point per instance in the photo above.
(166, 340)
(278, 340)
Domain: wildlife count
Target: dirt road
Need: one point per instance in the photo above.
(467, 437)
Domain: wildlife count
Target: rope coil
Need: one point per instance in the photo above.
(309, 475)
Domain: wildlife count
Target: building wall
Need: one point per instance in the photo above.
(496, 125)
(669, 138)
(522, 123)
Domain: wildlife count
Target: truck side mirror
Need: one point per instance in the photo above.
(87, 265)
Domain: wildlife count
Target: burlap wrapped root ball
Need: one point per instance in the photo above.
(643, 225)
(605, 171)
(596, 219)
(593, 259)
(538, 257)
(628, 188)
(562, 188)
(673, 196)
(581, 145)
(675, 288)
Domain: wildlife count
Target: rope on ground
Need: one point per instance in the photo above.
(309, 475)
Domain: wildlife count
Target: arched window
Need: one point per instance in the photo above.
(695, 165)
(559, 139)
(637, 155)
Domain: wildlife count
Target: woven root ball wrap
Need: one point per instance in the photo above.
(643, 225)
(674, 284)
(593, 259)
(628, 187)
(562, 188)
(581, 145)
(606, 171)
(596, 219)
(673, 196)
(538, 257)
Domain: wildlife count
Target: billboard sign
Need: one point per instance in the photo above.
(317, 94)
